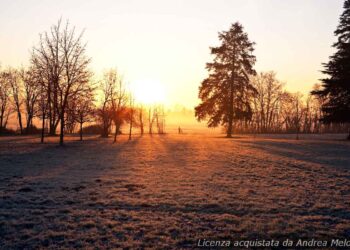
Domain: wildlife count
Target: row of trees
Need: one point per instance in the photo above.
(19, 94)
(236, 97)
(275, 110)
(57, 89)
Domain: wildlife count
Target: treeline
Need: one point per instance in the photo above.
(58, 89)
(235, 97)
(275, 110)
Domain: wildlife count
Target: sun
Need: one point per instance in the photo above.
(148, 91)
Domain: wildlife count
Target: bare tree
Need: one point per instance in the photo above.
(61, 54)
(48, 61)
(299, 112)
(119, 100)
(151, 119)
(266, 101)
(113, 103)
(104, 111)
(31, 93)
(43, 110)
(17, 92)
(140, 117)
(159, 117)
(131, 114)
(5, 109)
(84, 110)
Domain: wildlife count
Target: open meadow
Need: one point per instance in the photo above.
(168, 191)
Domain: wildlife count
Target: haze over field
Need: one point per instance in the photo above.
(167, 41)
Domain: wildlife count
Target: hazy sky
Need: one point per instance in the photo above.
(168, 41)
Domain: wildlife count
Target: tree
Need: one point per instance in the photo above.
(151, 118)
(104, 111)
(266, 100)
(298, 112)
(159, 117)
(119, 100)
(5, 109)
(131, 114)
(84, 110)
(336, 87)
(31, 85)
(16, 91)
(113, 103)
(140, 117)
(43, 104)
(61, 54)
(226, 93)
(48, 62)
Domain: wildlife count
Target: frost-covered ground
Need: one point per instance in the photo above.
(169, 191)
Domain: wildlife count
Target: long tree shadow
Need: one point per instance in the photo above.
(46, 164)
(326, 153)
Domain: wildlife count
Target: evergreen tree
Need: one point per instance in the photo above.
(336, 87)
(226, 93)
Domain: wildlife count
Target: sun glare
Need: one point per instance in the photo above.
(148, 91)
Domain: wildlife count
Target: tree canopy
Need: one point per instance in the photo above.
(336, 87)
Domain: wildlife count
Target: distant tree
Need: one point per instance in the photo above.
(226, 93)
(5, 109)
(84, 110)
(32, 88)
(266, 101)
(17, 92)
(336, 87)
(159, 117)
(43, 106)
(140, 118)
(298, 113)
(113, 103)
(104, 111)
(119, 102)
(43, 100)
(318, 104)
(131, 114)
(151, 118)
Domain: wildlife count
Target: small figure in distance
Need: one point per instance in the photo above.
(180, 130)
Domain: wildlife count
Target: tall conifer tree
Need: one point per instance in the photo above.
(336, 87)
(226, 93)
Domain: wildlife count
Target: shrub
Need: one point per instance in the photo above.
(32, 130)
(92, 129)
(7, 131)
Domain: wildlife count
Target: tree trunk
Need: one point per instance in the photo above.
(141, 128)
(230, 115)
(43, 128)
(149, 122)
(20, 121)
(81, 131)
(130, 129)
(29, 124)
(116, 133)
(62, 129)
(349, 135)
(1, 121)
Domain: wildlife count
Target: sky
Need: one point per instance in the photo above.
(165, 44)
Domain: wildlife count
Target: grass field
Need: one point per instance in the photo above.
(171, 190)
